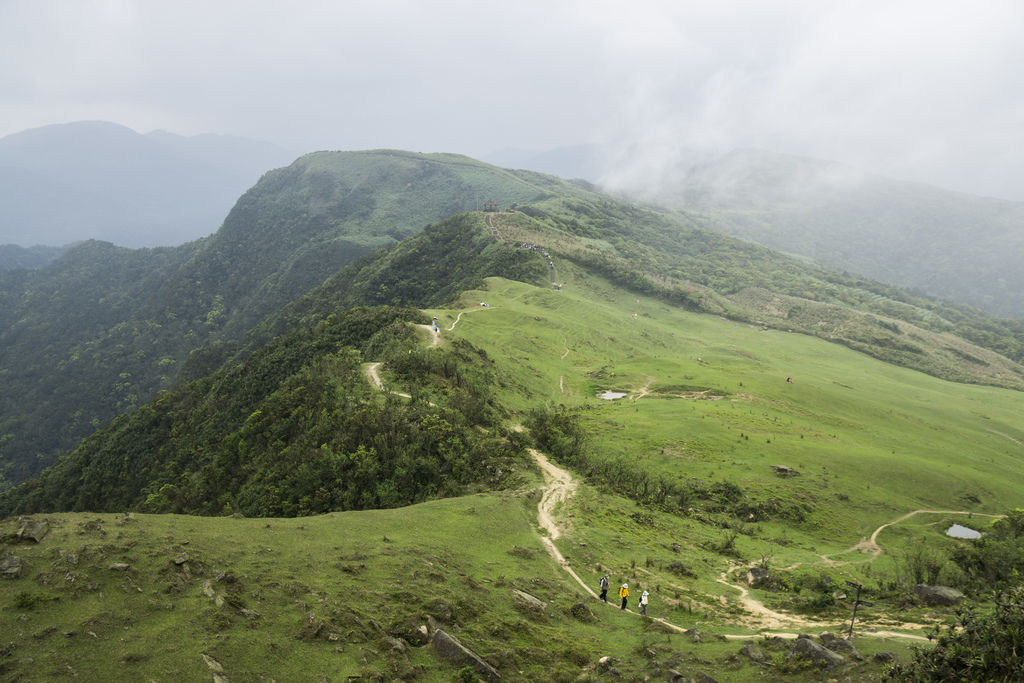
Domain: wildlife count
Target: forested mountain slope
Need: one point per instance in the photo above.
(104, 328)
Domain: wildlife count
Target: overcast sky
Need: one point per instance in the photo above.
(928, 90)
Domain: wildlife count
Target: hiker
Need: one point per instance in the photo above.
(624, 594)
(789, 380)
(643, 604)
(604, 588)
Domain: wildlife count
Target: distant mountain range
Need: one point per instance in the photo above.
(94, 180)
(946, 244)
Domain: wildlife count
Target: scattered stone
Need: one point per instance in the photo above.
(752, 652)
(758, 577)
(783, 471)
(397, 644)
(249, 613)
(450, 648)
(680, 569)
(674, 676)
(119, 567)
(10, 567)
(695, 635)
(180, 559)
(702, 677)
(208, 589)
(884, 657)
(606, 663)
(212, 663)
(817, 654)
(31, 529)
(529, 602)
(580, 612)
(937, 595)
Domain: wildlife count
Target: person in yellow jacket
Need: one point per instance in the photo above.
(624, 593)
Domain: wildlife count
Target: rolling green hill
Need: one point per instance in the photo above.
(680, 488)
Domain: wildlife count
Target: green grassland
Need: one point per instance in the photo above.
(317, 598)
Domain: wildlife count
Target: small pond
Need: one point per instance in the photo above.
(610, 395)
(958, 531)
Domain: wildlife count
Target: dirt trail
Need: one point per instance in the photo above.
(559, 487)
(457, 319)
(435, 335)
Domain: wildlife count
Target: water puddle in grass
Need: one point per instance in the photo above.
(610, 395)
(959, 531)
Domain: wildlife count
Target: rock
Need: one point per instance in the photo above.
(31, 529)
(580, 612)
(208, 589)
(752, 652)
(180, 559)
(937, 595)
(212, 663)
(694, 635)
(606, 663)
(758, 577)
(819, 655)
(530, 602)
(450, 648)
(784, 471)
(119, 567)
(884, 657)
(397, 644)
(10, 567)
(701, 677)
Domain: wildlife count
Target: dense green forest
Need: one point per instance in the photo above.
(296, 430)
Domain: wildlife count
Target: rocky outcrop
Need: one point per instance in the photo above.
(31, 529)
(937, 595)
(817, 654)
(451, 649)
(758, 577)
(752, 652)
(10, 567)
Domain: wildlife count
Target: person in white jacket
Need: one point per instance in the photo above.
(643, 603)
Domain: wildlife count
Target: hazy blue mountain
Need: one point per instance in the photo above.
(95, 180)
(946, 244)
(13, 257)
(586, 162)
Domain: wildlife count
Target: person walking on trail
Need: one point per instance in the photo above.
(643, 603)
(624, 594)
(604, 588)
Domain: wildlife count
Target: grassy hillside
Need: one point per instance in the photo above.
(707, 414)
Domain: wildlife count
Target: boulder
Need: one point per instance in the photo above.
(530, 602)
(819, 655)
(758, 577)
(119, 567)
(10, 567)
(32, 529)
(752, 652)
(783, 471)
(451, 649)
(937, 595)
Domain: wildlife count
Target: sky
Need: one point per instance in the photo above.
(925, 90)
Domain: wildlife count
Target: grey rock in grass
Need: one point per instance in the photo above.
(119, 567)
(758, 577)
(10, 567)
(32, 529)
(752, 652)
(937, 595)
(451, 649)
(531, 602)
(818, 654)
